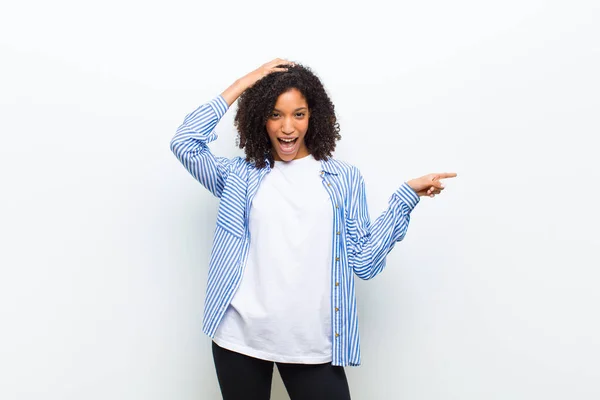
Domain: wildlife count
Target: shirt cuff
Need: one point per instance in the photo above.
(408, 195)
(219, 105)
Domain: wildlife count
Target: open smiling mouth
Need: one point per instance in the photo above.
(287, 145)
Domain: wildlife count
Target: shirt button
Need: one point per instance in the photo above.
(337, 309)
(337, 259)
(337, 284)
(336, 206)
(337, 233)
(337, 334)
(329, 184)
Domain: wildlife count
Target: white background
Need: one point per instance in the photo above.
(105, 237)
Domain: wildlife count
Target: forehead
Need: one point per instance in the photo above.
(293, 98)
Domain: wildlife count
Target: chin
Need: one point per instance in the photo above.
(287, 157)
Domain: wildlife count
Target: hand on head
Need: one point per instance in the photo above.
(266, 69)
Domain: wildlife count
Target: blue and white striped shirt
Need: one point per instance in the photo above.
(359, 246)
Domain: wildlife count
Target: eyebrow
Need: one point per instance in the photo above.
(297, 109)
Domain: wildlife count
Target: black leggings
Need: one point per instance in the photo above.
(248, 378)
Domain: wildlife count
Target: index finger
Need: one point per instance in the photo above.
(281, 61)
(445, 175)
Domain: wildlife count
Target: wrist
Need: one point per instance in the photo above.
(412, 184)
(242, 83)
(234, 91)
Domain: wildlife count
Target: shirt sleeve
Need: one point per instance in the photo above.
(369, 243)
(190, 145)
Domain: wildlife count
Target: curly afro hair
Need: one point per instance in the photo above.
(256, 104)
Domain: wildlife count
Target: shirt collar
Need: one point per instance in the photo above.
(328, 166)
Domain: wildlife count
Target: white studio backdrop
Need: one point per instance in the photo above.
(106, 238)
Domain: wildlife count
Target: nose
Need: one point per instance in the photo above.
(287, 126)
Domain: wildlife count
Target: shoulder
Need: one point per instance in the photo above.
(343, 168)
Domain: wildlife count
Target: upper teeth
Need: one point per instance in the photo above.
(287, 140)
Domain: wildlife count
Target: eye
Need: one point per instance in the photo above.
(274, 115)
(300, 114)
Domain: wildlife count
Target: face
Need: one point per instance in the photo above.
(287, 126)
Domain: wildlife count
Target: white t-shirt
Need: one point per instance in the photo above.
(282, 310)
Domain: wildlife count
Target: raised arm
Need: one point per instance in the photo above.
(190, 143)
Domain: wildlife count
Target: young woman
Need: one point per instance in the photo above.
(292, 230)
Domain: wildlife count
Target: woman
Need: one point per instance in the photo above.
(292, 229)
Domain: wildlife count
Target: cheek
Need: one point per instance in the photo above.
(271, 130)
(302, 126)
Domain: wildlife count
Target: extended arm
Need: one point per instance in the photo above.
(369, 242)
